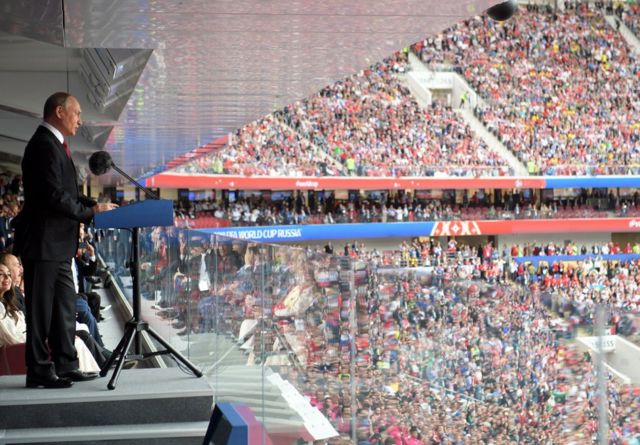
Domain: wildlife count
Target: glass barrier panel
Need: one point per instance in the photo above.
(114, 246)
(392, 347)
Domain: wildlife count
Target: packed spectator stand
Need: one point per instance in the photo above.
(370, 125)
(10, 202)
(631, 18)
(460, 348)
(366, 125)
(466, 353)
(300, 208)
(560, 87)
(264, 147)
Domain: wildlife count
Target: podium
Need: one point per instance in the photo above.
(148, 213)
(235, 424)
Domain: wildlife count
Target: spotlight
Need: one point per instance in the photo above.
(503, 11)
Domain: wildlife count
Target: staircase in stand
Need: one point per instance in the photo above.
(632, 40)
(492, 142)
(420, 78)
(235, 379)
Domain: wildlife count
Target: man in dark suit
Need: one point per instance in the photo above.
(86, 267)
(46, 238)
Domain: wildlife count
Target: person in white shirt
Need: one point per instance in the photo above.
(235, 215)
(13, 327)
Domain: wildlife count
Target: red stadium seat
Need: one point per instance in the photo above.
(12, 360)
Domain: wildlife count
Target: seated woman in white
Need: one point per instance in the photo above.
(13, 327)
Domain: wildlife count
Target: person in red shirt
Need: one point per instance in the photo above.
(487, 251)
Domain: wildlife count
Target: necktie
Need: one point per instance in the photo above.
(66, 148)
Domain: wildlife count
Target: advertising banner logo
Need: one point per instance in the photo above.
(456, 228)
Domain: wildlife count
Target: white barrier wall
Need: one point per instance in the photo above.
(587, 239)
(338, 245)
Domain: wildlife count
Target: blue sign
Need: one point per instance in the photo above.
(563, 182)
(275, 234)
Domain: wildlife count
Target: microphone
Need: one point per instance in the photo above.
(100, 162)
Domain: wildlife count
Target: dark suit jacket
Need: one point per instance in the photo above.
(20, 299)
(86, 268)
(47, 228)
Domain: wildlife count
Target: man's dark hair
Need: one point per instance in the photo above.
(54, 101)
(4, 258)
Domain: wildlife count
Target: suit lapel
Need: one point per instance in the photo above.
(63, 152)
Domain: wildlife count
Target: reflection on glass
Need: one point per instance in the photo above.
(443, 352)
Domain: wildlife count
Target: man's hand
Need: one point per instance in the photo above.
(104, 207)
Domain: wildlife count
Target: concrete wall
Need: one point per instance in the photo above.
(169, 193)
(422, 83)
(624, 238)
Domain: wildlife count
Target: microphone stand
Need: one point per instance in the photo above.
(146, 191)
(135, 326)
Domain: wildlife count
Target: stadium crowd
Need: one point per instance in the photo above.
(465, 348)
(631, 18)
(369, 124)
(374, 126)
(10, 204)
(300, 208)
(560, 88)
(264, 147)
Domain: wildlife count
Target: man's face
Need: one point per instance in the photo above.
(69, 117)
(15, 268)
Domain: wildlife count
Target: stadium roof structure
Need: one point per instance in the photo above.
(159, 79)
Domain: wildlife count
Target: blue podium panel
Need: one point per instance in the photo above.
(226, 427)
(148, 213)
